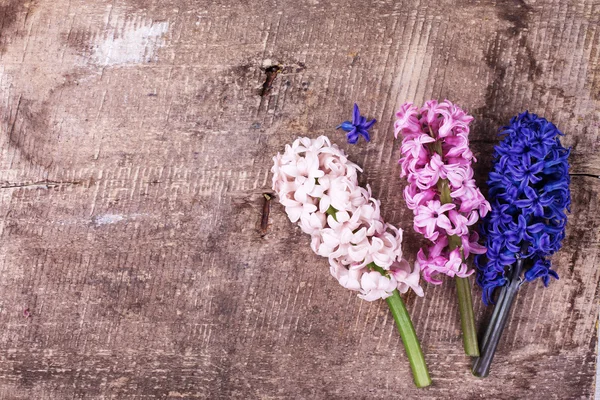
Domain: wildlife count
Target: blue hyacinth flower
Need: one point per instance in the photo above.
(358, 127)
(529, 193)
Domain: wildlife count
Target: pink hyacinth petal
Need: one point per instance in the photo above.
(470, 245)
(376, 286)
(407, 278)
(459, 224)
(443, 222)
(438, 247)
(407, 120)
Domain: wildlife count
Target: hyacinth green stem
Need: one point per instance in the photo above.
(410, 340)
(467, 319)
(405, 326)
(463, 287)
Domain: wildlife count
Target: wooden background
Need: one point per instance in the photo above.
(135, 148)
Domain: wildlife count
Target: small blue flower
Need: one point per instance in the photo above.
(500, 214)
(359, 126)
(529, 192)
(524, 231)
(534, 201)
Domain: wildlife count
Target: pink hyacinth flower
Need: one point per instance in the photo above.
(435, 147)
(430, 217)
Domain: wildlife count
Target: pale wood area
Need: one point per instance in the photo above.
(134, 151)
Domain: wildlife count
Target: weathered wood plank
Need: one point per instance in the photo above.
(134, 151)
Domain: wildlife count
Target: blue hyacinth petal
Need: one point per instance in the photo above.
(356, 115)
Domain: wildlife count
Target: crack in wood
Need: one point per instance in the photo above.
(271, 73)
(37, 185)
(584, 174)
(266, 210)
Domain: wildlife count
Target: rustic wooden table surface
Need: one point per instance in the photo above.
(135, 151)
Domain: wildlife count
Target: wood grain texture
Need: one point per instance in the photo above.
(135, 149)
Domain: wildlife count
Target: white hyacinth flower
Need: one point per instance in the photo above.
(319, 189)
